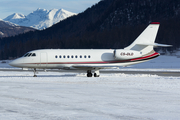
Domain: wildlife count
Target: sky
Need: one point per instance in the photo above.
(8, 7)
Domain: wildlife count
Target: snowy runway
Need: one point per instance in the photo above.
(69, 96)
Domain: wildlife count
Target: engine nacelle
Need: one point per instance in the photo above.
(126, 54)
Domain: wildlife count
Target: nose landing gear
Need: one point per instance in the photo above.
(34, 72)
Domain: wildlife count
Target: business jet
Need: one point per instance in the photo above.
(92, 60)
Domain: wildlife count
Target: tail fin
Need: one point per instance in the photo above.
(145, 41)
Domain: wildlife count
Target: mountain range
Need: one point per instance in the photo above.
(39, 19)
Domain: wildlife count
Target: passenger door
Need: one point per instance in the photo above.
(43, 59)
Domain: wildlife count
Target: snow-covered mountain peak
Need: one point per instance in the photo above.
(15, 16)
(40, 18)
(65, 11)
(40, 11)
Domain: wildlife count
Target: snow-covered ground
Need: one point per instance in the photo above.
(69, 96)
(73, 96)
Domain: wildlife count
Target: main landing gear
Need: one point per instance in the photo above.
(96, 73)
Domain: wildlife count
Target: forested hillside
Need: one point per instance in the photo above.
(108, 24)
(9, 29)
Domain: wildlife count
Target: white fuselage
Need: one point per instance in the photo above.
(67, 59)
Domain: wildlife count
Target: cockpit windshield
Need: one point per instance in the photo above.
(26, 55)
(30, 55)
(33, 54)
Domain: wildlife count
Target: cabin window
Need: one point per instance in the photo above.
(89, 56)
(76, 56)
(64, 56)
(68, 56)
(56, 56)
(85, 56)
(72, 56)
(80, 56)
(60, 56)
(34, 54)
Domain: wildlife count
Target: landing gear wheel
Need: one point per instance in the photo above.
(95, 75)
(89, 74)
(35, 76)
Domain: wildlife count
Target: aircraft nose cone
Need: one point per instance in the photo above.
(13, 63)
(16, 63)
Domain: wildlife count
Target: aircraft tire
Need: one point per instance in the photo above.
(95, 75)
(89, 75)
(35, 76)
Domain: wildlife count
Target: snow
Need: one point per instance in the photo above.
(73, 96)
(15, 16)
(9, 23)
(1, 33)
(178, 53)
(40, 19)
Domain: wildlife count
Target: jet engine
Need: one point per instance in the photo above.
(126, 54)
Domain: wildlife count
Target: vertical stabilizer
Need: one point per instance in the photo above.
(145, 41)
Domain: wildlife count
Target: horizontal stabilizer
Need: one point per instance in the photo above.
(154, 44)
